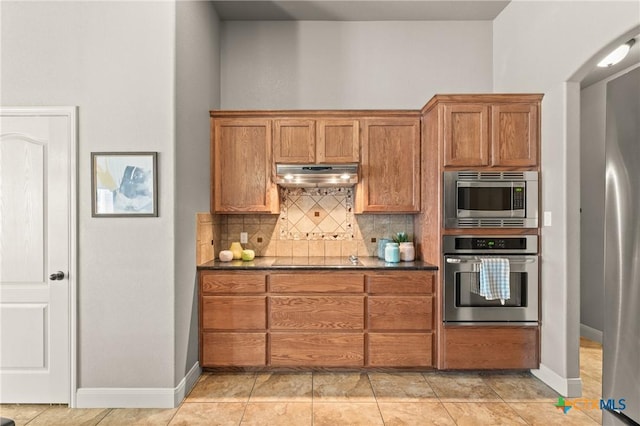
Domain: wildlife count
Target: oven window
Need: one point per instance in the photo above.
(467, 287)
(484, 198)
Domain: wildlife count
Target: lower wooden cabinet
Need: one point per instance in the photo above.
(400, 349)
(233, 349)
(491, 348)
(322, 313)
(319, 319)
(317, 349)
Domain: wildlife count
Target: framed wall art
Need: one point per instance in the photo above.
(124, 184)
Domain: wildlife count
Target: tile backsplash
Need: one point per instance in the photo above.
(312, 222)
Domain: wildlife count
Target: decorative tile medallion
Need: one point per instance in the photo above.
(316, 214)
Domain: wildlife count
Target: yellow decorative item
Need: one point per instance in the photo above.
(236, 249)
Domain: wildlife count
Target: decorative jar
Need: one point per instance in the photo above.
(236, 249)
(407, 252)
(392, 253)
(382, 244)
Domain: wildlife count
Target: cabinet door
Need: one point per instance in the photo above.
(332, 313)
(317, 350)
(399, 312)
(233, 349)
(338, 141)
(294, 141)
(489, 347)
(466, 135)
(514, 135)
(241, 160)
(390, 166)
(400, 349)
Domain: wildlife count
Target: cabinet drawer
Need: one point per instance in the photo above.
(237, 282)
(491, 347)
(401, 283)
(234, 349)
(400, 349)
(317, 349)
(234, 312)
(317, 283)
(400, 312)
(316, 313)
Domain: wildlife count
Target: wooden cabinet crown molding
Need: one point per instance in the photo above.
(488, 98)
(315, 114)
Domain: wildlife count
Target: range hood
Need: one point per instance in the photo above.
(316, 175)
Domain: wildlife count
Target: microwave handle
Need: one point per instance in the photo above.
(475, 261)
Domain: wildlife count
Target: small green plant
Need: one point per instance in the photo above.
(401, 237)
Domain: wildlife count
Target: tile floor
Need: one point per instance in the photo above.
(430, 398)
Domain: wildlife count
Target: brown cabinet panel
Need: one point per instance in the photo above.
(400, 312)
(235, 282)
(338, 141)
(317, 349)
(514, 135)
(400, 349)
(390, 166)
(294, 141)
(316, 312)
(466, 135)
(317, 283)
(241, 167)
(233, 349)
(401, 283)
(491, 347)
(234, 312)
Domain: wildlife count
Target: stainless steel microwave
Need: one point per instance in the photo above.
(479, 199)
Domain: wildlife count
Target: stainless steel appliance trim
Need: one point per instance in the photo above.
(478, 260)
(316, 175)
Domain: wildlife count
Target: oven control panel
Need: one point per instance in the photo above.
(477, 244)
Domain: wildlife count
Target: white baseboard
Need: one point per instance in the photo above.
(138, 397)
(186, 384)
(569, 388)
(590, 333)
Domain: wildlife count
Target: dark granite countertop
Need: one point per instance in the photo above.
(280, 263)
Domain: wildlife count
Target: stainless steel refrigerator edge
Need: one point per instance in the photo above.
(621, 346)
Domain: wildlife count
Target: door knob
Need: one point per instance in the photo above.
(56, 276)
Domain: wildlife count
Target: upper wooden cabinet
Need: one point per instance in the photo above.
(316, 141)
(390, 177)
(241, 164)
(489, 130)
(466, 135)
(514, 135)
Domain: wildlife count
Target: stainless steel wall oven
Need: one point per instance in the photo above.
(462, 259)
(481, 199)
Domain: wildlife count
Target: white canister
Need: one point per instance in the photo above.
(226, 256)
(407, 252)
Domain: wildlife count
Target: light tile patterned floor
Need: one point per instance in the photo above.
(333, 399)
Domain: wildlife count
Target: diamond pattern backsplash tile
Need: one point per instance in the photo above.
(316, 214)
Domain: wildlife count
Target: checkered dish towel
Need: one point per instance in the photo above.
(494, 278)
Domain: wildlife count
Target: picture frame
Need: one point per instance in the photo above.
(124, 184)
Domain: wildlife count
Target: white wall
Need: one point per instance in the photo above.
(351, 65)
(197, 92)
(539, 47)
(115, 61)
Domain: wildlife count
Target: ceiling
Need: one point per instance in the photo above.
(387, 10)
(365, 10)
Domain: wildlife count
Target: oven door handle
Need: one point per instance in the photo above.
(477, 261)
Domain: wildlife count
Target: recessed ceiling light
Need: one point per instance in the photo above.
(617, 55)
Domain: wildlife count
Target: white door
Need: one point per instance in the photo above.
(37, 253)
